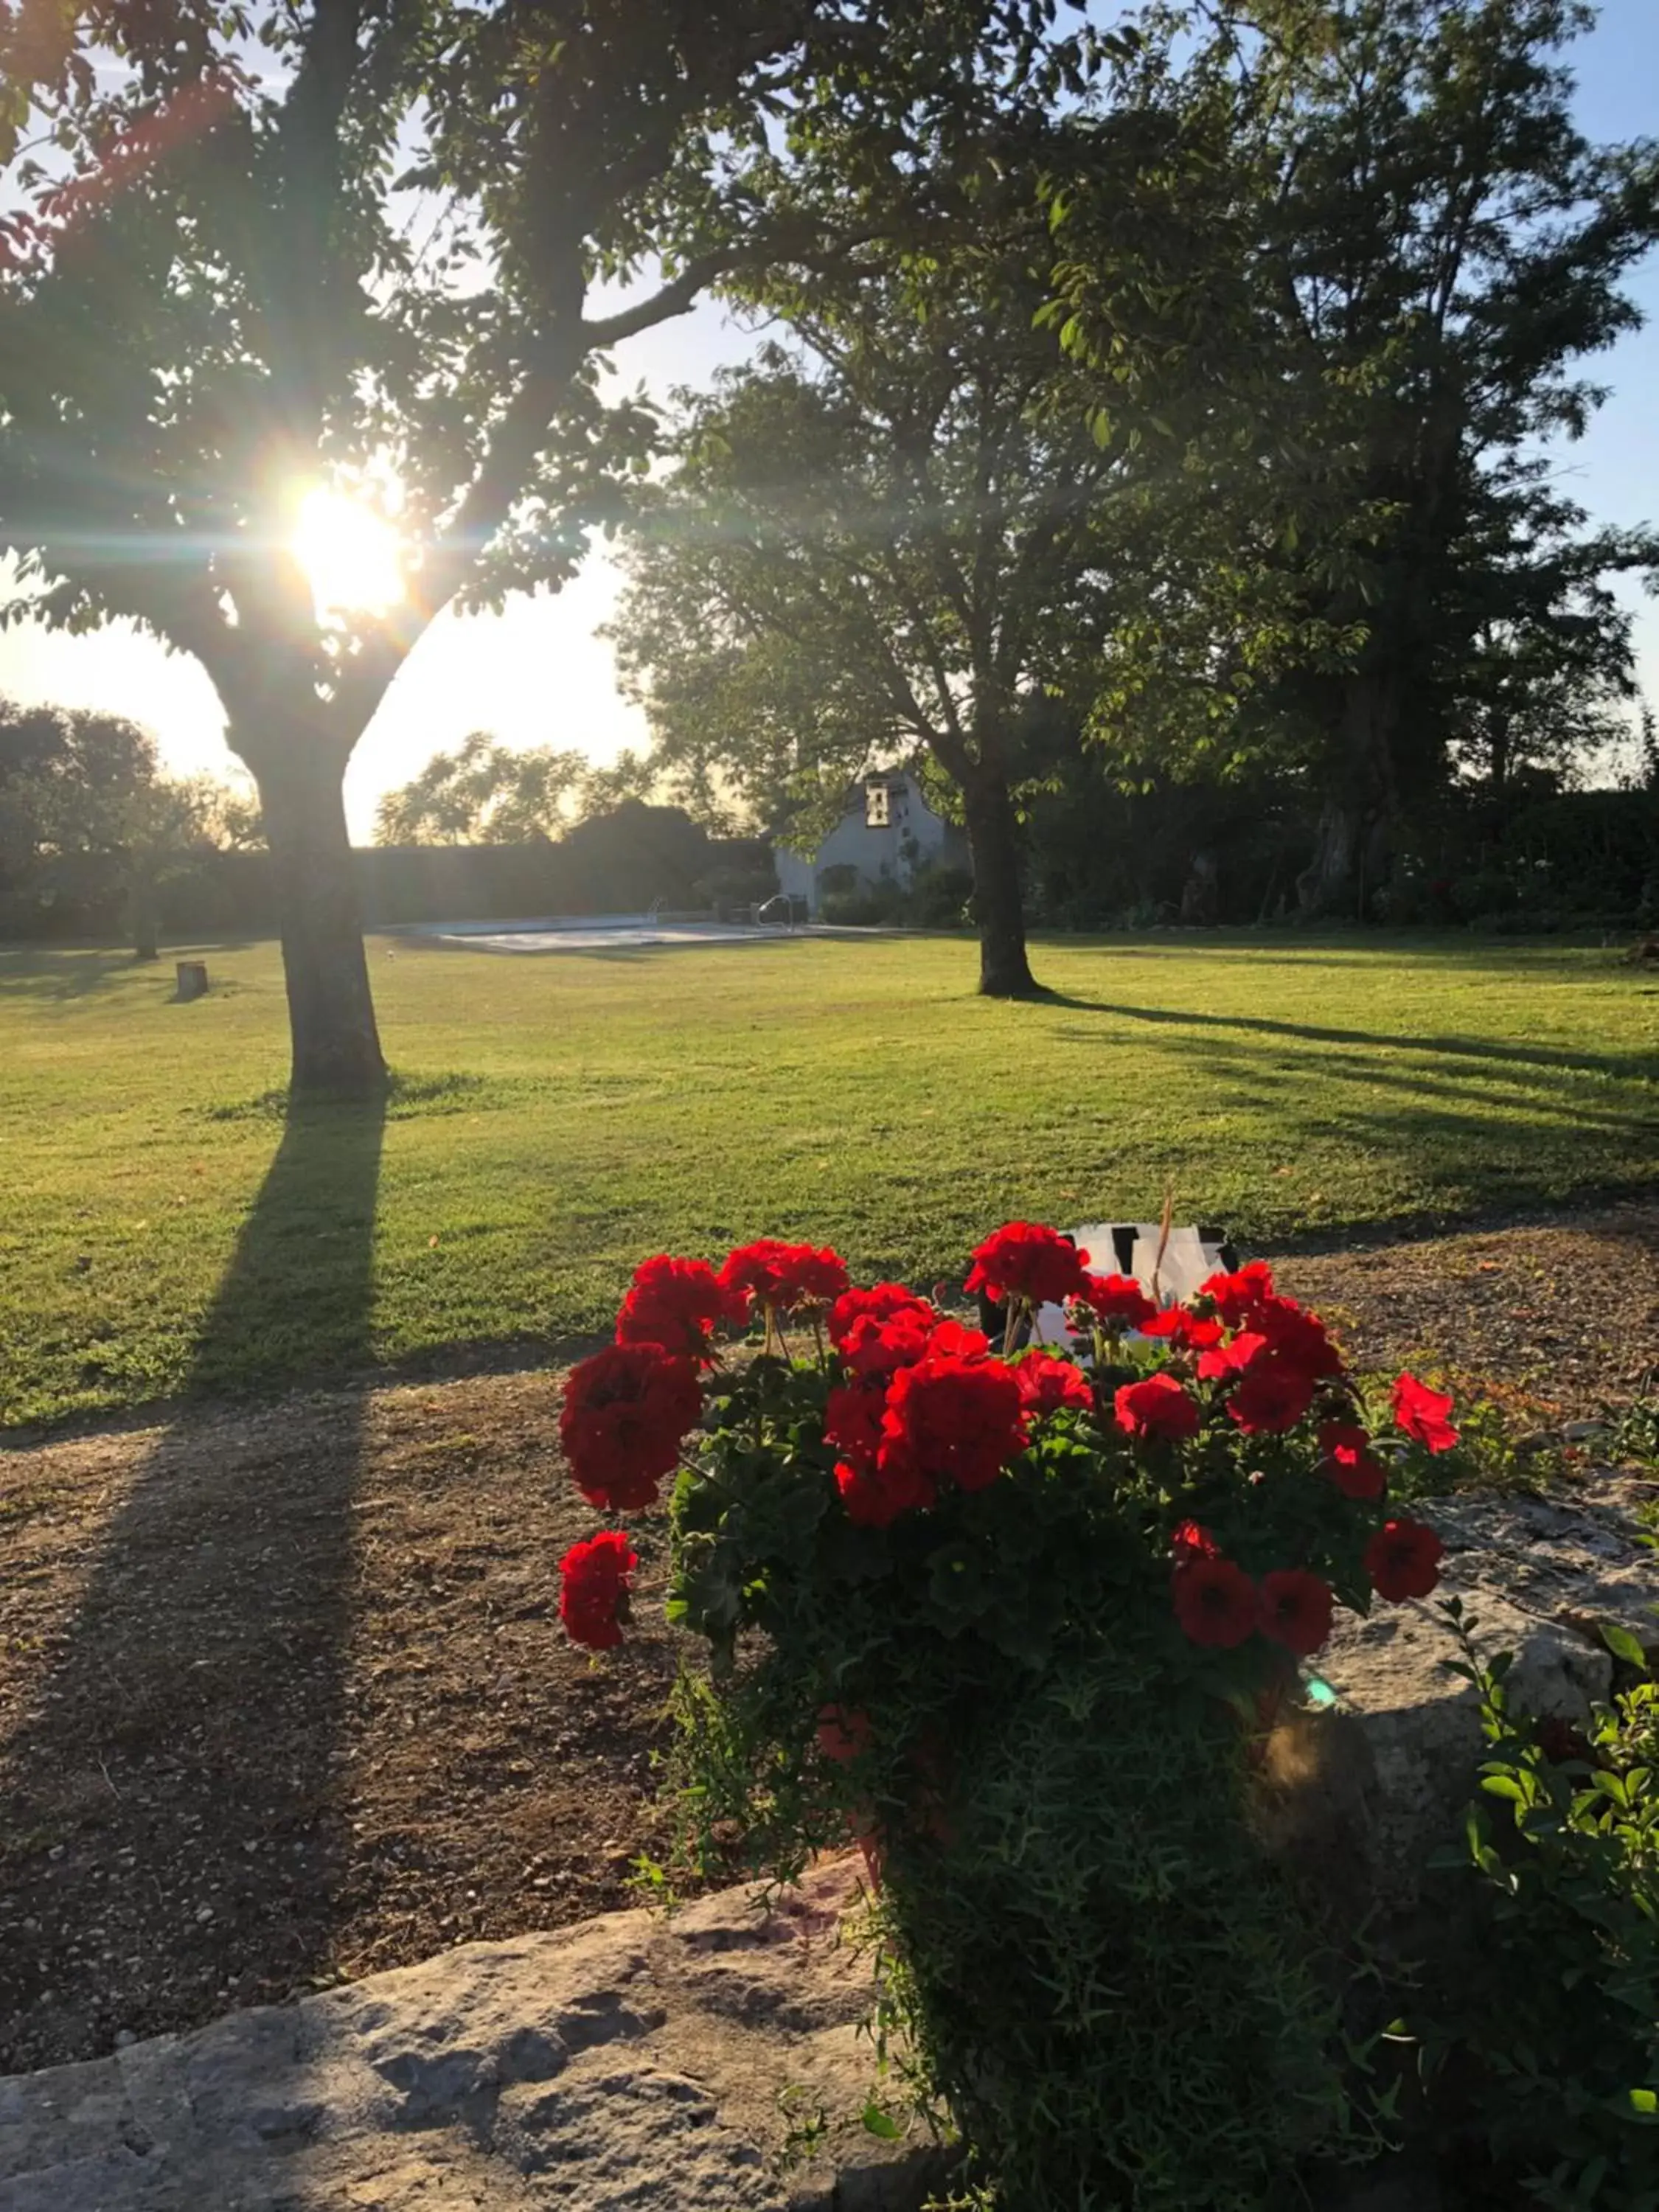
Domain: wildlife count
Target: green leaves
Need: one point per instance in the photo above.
(1623, 1645)
(1554, 2006)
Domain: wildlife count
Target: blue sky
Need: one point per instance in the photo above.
(537, 675)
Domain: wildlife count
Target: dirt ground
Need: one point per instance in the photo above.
(284, 1699)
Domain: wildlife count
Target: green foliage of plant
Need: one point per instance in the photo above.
(1553, 2017)
(1097, 1973)
(1635, 1434)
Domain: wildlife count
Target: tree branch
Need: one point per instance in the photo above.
(677, 297)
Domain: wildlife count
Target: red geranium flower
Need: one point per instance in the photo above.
(771, 1273)
(1215, 1601)
(1190, 1540)
(875, 1496)
(1271, 1395)
(875, 1345)
(1156, 1407)
(951, 1341)
(852, 1419)
(1403, 1560)
(882, 1301)
(1048, 1385)
(1116, 1300)
(1350, 1462)
(1222, 1360)
(626, 1412)
(955, 1417)
(594, 1577)
(1421, 1413)
(844, 1733)
(1296, 1609)
(677, 1303)
(1297, 1336)
(1235, 1295)
(1188, 1331)
(1023, 1260)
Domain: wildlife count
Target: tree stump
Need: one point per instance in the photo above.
(193, 980)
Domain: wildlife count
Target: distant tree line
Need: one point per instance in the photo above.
(488, 793)
(93, 832)
(94, 840)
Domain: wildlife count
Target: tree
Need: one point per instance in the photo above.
(485, 793)
(1429, 249)
(883, 541)
(66, 777)
(79, 788)
(1449, 249)
(160, 832)
(273, 254)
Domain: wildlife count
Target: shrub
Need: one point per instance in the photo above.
(1016, 1622)
(940, 897)
(882, 906)
(1546, 2045)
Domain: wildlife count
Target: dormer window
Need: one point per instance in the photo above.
(877, 803)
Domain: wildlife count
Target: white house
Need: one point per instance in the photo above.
(887, 833)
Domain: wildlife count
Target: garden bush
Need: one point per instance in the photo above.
(1542, 2048)
(1018, 1621)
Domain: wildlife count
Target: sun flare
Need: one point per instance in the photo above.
(351, 557)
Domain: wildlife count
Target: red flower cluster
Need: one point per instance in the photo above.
(626, 1412)
(1191, 1539)
(1349, 1461)
(1023, 1260)
(953, 1418)
(885, 1337)
(882, 1301)
(1277, 1356)
(1235, 1295)
(1216, 1603)
(893, 1460)
(915, 1403)
(1421, 1413)
(1185, 1330)
(783, 1276)
(852, 1419)
(844, 1733)
(1296, 1609)
(594, 1578)
(1048, 1385)
(678, 1303)
(1113, 1303)
(1157, 1406)
(1403, 1560)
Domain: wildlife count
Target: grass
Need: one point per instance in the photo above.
(167, 1228)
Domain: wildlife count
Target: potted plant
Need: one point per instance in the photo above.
(1017, 1622)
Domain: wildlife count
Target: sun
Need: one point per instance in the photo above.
(352, 558)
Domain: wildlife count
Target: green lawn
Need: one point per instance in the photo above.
(558, 1117)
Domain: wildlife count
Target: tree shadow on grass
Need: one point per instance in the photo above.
(1642, 1066)
(57, 977)
(151, 1871)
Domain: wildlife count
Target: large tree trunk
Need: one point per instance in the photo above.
(337, 1046)
(1325, 886)
(999, 909)
(1351, 850)
(143, 919)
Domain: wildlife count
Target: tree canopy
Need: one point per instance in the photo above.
(486, 793)
(1434, 251)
